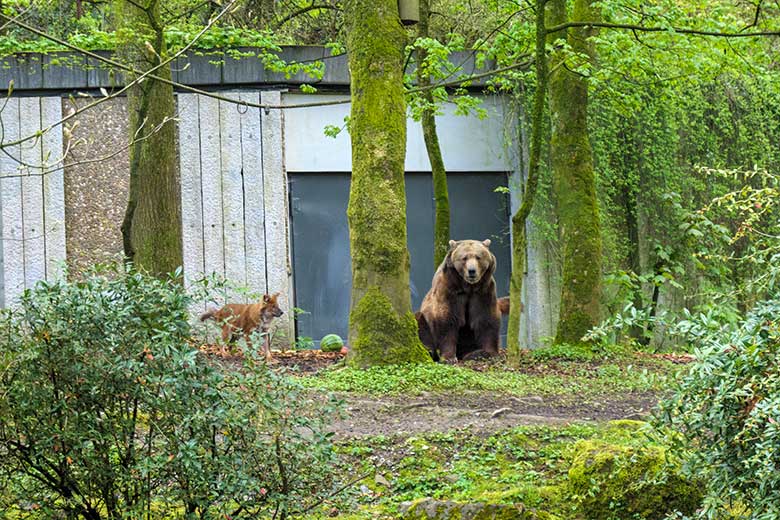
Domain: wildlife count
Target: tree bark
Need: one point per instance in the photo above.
(574, 179)
(441, 226)
(151, 230)
(382, 329)
(520, 218)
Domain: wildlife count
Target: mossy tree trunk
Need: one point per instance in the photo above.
(382, 328)
(441, 227)
(151, 229)
(573, 178)
(520, 218)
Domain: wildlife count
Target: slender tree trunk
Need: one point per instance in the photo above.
(574, 180)
(441, 227)
(519, 219)
(151, 229)
(382, 328)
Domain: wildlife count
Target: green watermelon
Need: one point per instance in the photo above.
(331, 343)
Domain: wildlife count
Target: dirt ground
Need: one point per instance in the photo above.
(481, 412)
(478, 411)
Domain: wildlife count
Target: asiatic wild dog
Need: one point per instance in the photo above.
(237, 318)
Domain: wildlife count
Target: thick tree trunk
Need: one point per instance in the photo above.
(382, 328)
(519, 219)
(151, 229)
(441, 227)
(574, 181)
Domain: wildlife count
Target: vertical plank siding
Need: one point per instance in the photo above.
(277, 250)
(231, 173)
(211, 187)
(53, 188)
(191, 200)
(11, 196)
(32, 195)
(233, 185)
(254, 213)
(32, 192)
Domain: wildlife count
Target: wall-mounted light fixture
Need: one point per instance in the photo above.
(409, 10)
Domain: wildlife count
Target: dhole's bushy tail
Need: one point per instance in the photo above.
(208, 315)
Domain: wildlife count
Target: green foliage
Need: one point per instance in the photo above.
(724, 416)
(107, 411)
(556, 378)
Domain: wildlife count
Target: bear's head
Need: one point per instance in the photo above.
(472, 259)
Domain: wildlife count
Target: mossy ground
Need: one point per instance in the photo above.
(527, 465)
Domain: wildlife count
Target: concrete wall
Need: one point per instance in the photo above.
(233, 164)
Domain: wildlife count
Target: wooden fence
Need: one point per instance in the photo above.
(32, 202)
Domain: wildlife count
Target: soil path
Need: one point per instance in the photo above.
(479, 412)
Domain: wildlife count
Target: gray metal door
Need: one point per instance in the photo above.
(321, 260)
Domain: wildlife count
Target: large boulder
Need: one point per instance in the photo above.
(612, 482)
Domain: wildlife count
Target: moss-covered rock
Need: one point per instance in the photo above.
(430, 509)
(611, 482)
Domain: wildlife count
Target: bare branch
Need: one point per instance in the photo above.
(672, 30)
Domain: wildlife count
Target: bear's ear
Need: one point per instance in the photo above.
(453, 244)
(448, 258)
(486, 243)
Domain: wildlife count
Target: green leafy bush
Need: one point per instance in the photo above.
(725, 416)
(106, 411)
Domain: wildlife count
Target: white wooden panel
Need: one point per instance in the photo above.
(191, 202)
(214, 260)
(254, 220)
(11, 193)
(469, 144)
(32, 193)
(276, 212)
(232, 193)
(53, 187)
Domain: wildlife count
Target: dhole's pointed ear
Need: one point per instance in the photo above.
(486, 243)
(266, 298)
(276, 295)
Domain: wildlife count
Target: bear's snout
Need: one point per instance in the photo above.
(472, 271)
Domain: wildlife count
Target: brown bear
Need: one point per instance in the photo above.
(460, 317)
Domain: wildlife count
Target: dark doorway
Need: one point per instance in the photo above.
(321, 261)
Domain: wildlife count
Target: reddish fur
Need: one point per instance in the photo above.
(246, 318)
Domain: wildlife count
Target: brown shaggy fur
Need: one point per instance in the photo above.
(238, 317)
(460, 317)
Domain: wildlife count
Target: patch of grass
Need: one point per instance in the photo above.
(520, 465)
(560, 378)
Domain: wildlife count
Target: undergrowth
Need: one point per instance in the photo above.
(534, 376)
(520, 465)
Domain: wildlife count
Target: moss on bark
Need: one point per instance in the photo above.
(382, 335)
(519, 219)
(441, 226)
(377, 199)
(574, 179)
(151, 229)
